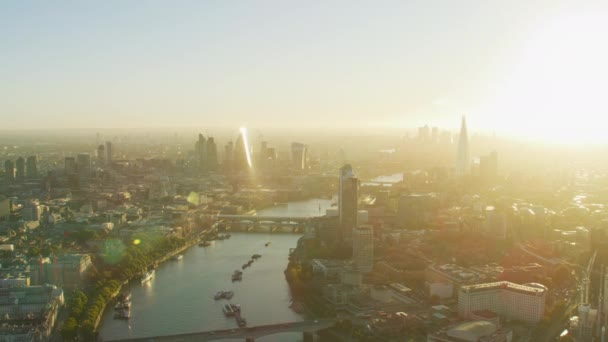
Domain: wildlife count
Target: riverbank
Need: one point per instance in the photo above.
(180, 297)
(167, 256)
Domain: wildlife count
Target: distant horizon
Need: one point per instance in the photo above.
(534, 70)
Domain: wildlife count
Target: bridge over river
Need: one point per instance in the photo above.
(247, 334)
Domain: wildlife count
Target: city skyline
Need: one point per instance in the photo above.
(523, 70)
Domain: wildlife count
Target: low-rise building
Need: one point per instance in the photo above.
(509, 300)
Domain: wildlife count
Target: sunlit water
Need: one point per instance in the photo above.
(180, 297)
(386, 180)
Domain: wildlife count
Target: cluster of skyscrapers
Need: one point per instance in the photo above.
(21, 170)
(205, 151)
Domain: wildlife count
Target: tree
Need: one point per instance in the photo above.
(561, 275)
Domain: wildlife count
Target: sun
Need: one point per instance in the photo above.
(555, 88)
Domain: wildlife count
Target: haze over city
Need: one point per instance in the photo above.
(303, 171)
(527, 69)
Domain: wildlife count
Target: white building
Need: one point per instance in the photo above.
(512, 301)
(363, 248)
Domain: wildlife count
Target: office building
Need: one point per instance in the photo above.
(228, 154)
(31, 167)
(299, 156)
(101, 155)
(463, 158)
(242, 157)
(20, 174)
(70, 165)
(9, 171)
(83, 164)
(348, 193)
(363, 248)
(30, 312)
(211, 154)
(109, 153)
(200, 152)
(508, 300)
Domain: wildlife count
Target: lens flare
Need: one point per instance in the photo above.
(246, 145)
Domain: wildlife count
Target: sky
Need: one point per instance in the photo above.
(531, 69)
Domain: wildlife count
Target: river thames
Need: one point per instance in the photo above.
(180, 297)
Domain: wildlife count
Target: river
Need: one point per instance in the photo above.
(179, 299)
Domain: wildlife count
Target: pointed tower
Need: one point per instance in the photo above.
(463, 159)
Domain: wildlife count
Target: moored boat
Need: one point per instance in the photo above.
(146, 277)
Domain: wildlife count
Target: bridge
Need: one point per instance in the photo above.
(307, 328)
(254, 223)
(255, 218)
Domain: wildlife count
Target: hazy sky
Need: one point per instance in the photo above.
(526, 68)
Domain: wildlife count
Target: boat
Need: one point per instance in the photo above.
(235, 307)
(122, 314)
(228, 294)
(218, 295)
(256, 256)
(204, 244)
(122, 305)
(245, 266)
(236, 277)
(147, 276)
(177, 257)
(228, 310)
(237, 272)
(240, 320)
(124, 297)
(267, 244)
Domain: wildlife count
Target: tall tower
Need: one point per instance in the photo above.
(348, 201)
(108, 153)
(363, 248)
(463, 159)
(242, 158)
(211, 154)
(31, 167)
(299, 155)
(101, 155)
(200, 151)
(9, 169)
(20, 175)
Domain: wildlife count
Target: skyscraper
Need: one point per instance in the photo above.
(20, 175)
(83, 164)
(348, 201)
(211, 154)
(242, 158)
(463, 159)
(9, 170)
(101, 155)
(70, 165)
(299, 155)
(228, 154)
(200, 152)
(31, 167)
(363, 248)
(108, 153)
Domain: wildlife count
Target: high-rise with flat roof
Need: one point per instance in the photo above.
(363, 248)
(31, 167)
(299, 155)
(109, 153)
(348, 201)
(9, 171)
(20, 174)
